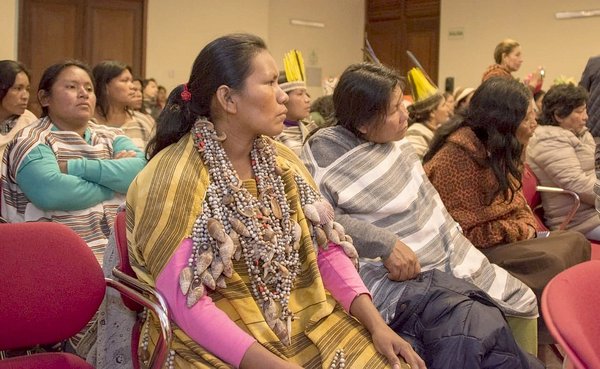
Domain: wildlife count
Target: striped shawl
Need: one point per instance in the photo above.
(384, 185)
(92, 224)
(162, 204)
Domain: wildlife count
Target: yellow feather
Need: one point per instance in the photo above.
(421, 87)
(293, 64)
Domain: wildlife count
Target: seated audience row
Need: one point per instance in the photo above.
(65, 168)
(220, 183)
(229, 226)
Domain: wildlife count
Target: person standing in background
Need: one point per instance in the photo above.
(508, 57)
(590, 80)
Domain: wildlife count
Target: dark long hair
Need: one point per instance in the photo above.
(224, 61)
(8, 73)
(495, 112)
(104, 72)
(362, 95)
(51, 74)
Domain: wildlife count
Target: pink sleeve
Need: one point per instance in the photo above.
(340, 276)
(205, 323)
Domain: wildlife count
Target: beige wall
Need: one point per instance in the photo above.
(176, 34)
(331, 48)
(8, 29)
(561, 46)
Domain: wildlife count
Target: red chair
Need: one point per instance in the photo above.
(51, 287)
(125, 274)
(569, 308)
(532, 190)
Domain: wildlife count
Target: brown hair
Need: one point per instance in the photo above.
(504, 47)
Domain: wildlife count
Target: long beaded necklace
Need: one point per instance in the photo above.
(234, 224)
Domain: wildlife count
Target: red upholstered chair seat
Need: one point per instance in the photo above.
(570, 309)
(49, 360)
(51, 286)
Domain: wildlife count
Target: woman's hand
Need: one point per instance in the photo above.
(402, 263)
(125, 154)
(535, 80)
(385, 340)
(390, 345)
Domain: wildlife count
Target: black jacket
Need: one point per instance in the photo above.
(590, 80)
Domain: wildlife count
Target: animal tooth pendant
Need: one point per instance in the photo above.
(221, 282)
(216, 267)
(276, 208)
(349, 249)
(239, 227)
(216, 230)
(227, 248)
(282, 333)
(185, 279)
(195, 293)
(321, 237)
(208, 280)
(311, 213)
(204, 260)
(270, 312)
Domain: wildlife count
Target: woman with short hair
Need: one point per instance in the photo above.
(561, 154)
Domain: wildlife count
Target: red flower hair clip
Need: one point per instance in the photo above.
(186, 95)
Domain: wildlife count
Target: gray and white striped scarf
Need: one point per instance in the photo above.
(384, 186)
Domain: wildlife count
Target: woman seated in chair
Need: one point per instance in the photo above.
(298, 122)
(14, 96)
(561, 154)
(383, 199)
(476, 167)
(64, 168)
(115, 99)
(426, 114)
(221, 221)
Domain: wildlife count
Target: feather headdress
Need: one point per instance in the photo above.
(294, 74)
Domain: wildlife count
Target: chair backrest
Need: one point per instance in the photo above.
(121, 239)
(570, 309)
(123, 255)
(51, 284)
(532, 196)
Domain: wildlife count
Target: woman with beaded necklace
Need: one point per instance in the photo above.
(227, 225)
